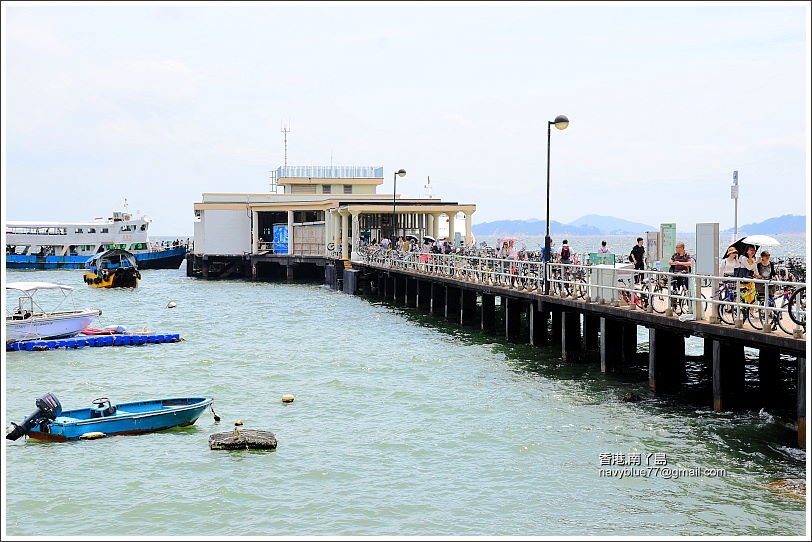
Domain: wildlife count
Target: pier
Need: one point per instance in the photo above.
(595, 326)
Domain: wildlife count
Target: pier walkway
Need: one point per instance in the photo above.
(585, 309)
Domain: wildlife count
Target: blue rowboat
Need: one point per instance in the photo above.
(50, 422)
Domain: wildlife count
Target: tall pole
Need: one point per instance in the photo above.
(734, 194)
(394, 216)
(547, 240)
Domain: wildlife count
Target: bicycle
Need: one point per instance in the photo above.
(775, 318)
(797, 307)
(632, 295)
(747, 294)
(680, 304)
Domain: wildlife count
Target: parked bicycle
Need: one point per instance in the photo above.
(633, 295)
(728, 291)
(797, 307)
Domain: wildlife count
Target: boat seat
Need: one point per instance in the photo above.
(102, 412)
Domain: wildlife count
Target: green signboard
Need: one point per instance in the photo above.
(668, 233)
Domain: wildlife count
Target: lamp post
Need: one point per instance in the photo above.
(402, 173)
(561, 122)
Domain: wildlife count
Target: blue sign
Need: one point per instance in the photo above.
(280, 239)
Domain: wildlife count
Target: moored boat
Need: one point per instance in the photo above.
(67, 245)
(27, 319)
(112, 269)
(50, 422)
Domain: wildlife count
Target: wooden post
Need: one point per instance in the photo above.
(488, 320)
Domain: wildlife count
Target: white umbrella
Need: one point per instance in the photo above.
(761, 240)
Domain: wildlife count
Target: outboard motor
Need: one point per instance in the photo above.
(48, 408)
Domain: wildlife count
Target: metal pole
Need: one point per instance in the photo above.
(394, 191)
(547, 240)
(734, 193)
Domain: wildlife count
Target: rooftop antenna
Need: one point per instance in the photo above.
(126, 207)
(286, 131)
(427, 186)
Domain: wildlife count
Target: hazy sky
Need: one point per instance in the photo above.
(159, 103)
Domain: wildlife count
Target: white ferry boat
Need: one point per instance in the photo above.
(61, 245)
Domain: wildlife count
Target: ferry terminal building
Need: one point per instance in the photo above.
(324, 212)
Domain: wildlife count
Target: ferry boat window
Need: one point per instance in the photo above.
(91, 230)
(348, 189)
(326, 189)
(143, 227)
(128, 227)
(79, 230)
(104, 230)
(138, 246)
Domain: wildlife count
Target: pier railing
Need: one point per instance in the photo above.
(717, 299)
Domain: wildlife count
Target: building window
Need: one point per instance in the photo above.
(79, 230)
(326, 189)
(348, 189)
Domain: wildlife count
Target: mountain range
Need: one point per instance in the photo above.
(609, 225)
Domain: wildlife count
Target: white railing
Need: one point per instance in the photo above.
(711, 298)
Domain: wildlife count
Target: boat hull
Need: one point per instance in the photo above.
(49, 326)
(128, 419)
(159, 259)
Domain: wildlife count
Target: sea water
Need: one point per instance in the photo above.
(402, 425)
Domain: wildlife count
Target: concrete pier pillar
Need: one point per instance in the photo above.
(666, 360)
(468, 316)
(801, 401)
(366, 285)
(488, 308)
(289, 272)
(423, 295)
(437, 299)
(592, 327)
(539, 319)
(391, 287)
(513, 314)
(399, 296)
(611, 345)
(728, 374)
(555, 331)
(768, 376)
(411, 292)
(628, 339)
(570, 335)
(452, 303)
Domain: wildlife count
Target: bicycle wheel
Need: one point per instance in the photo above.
(626, 296)
(581, 289)
(797, 306)
(727, 314)
(755, 317)
(659, 301)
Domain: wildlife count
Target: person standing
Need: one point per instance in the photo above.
(604, 249)
(636, 257)
(566, 253)
(729, 264)
(680, 265)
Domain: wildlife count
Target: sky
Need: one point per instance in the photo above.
(159, 103)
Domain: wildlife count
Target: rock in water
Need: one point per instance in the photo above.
(244, 439)
(631, 397)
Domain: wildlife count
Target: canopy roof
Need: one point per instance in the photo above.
(30, 287)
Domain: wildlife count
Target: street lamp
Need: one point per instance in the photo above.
(402, 173)
(561, 122)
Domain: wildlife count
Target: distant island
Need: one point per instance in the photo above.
(609, 225)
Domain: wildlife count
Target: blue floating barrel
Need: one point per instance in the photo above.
(12, 346)
(118, 341)
(50, 344)
(70, 343)
(160, 338)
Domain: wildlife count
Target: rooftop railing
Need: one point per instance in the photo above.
(329, 172)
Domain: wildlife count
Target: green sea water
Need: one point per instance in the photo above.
(403, 425)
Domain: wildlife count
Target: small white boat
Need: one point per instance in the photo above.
(26, 319)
